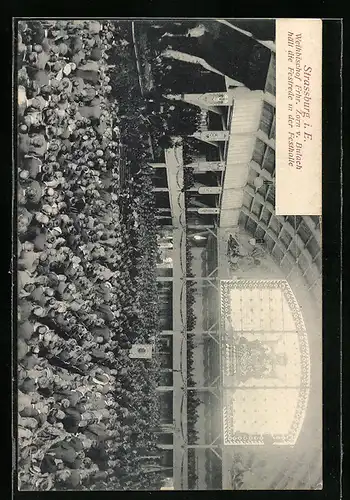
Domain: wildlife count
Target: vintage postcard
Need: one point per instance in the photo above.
(169, 254)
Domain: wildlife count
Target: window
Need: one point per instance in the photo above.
(273, 129)
(251, 226)
(271, 195)
(269, 161)
(242, 219)
(267, 118)
(313, 247)
(259, 151)
(294, 220)
(260, 233)
(270, 242)
(276, 225)
(247, 200)
(266, 215)
(277, 254)
(263, 190)
(295, 250)
(285, 238)
(318, 261)
(304, 232)
(256, 208)
(303, 262)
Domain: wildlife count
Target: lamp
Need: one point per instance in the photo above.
(260, 181)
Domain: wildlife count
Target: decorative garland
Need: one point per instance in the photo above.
(232, 437)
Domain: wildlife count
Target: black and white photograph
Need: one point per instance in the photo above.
(169, 321)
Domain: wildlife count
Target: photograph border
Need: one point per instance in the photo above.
(332, 109)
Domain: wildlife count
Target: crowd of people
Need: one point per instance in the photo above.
(86, 266)
(87, 254)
